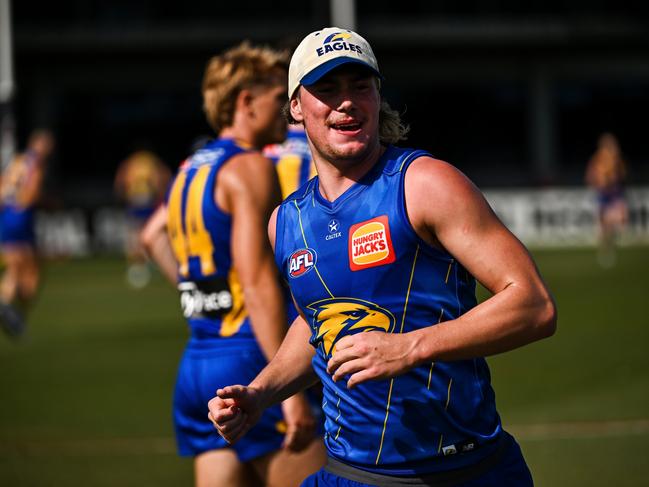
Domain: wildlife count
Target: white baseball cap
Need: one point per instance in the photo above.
(326, 49)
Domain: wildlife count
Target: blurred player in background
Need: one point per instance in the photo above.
(292, 159)
(294, 166)
(606, 174)
(20, 190)
(380, 251)
(141, 182)
(215, 219)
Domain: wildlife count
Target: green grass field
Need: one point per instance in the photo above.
(86, 396)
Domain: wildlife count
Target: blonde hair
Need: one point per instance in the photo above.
(391, 127)
(241, 67)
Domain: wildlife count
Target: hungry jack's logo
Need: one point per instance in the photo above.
(335, 318)
(370, 244)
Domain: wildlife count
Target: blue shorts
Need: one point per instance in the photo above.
(17, 226)
(606, 199)
(510, 470)
(207, 365)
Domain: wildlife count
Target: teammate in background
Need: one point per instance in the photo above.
(215, 219)
(380, 251)
(292, 159)
(606, 174)
(294, 166)
(20, 189)
(141, 181)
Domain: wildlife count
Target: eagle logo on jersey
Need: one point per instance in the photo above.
(335, 318)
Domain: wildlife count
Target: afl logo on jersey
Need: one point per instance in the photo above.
(335, 318)
(370, 244)
(301, 262)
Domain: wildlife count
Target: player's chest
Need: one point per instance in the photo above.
(337, 254)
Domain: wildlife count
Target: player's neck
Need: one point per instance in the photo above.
(337, 176)
(242, 136)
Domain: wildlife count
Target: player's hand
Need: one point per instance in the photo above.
(370, 356)
(300, 423)
(234, 410)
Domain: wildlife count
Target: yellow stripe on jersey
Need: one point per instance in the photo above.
(430, 374)
(288, 170)
(198, 238)
(412, 274)
(315, 266)
(403, 321)
(337, 417)
(432, 364)
(175, 225)
(385, 422)
(448, 400)
(448, 272)
(448, 396)
(235, 318)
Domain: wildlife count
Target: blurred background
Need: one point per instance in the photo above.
(515, 94)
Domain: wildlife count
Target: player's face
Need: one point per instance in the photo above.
(267, 120)
(341, 113)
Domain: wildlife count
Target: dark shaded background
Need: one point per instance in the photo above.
(513, 93)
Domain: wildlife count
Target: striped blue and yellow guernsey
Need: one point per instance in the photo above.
(292, 159)
(210, 294)
(356, 265)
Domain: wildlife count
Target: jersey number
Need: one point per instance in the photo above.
(187, 232)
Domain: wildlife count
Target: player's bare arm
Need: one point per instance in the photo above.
(449, 212)
(31, 192)
(155, 241)
(250, 192)
(236, 408)
(247, 188)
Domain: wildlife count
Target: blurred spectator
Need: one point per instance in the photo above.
(20, 189)
(606, 174)
(141, 182)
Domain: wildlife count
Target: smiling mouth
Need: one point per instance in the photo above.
(347, 126)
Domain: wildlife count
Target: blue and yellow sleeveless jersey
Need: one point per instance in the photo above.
(355, 265)
(199, 231)
(293, 161)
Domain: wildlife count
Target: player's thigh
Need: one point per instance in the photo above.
(221, 468)
(284, 468)
(12, 256)
(29, 265)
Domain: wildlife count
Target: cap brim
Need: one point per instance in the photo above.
(316, 74)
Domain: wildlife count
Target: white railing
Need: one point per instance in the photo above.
(553, 217)
(557, 217)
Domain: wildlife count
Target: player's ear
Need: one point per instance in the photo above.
(296, 108)
(244, 100)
